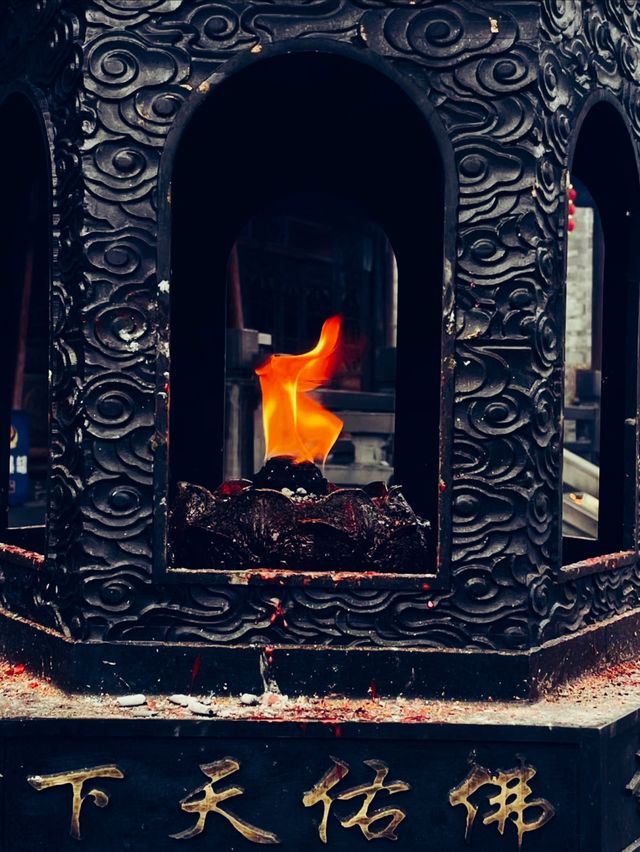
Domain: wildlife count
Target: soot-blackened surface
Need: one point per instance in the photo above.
(290, 517)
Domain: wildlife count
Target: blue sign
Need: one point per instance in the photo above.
(19, 458)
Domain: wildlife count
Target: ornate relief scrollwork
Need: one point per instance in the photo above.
(486, 95)
(40, 49)
(506, 86)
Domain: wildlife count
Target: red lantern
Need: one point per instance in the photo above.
(571, 207)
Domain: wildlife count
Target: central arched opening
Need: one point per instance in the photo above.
(289, 204)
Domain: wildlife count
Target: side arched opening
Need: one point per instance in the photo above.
(24, 322)
(601, 340)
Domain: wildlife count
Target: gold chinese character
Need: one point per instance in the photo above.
(512, 800)
(319, 793)
(210, 803)
(77, 778)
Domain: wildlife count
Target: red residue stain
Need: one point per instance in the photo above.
(431, 604)
(306, 581)
(442, 485)
(228, 489)
(34, 684)
(34, 559)
(373, 690)
(195, 668)
(269, 654)
(266, 576)
(16, 670)
(166, 389)
(278, 613)
(426, 587)
(337, 731)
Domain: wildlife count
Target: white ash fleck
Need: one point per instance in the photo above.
(287, 492)
(163, 286)
(301, 491)
(180, 700)
(249, 700)
(131, 700)
(198, 708)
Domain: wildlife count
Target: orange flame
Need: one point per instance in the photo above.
(294, 424)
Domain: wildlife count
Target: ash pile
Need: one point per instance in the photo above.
(290, 517)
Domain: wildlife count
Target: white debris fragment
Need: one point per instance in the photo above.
(198, 708)
(131, 700)
(180, 700)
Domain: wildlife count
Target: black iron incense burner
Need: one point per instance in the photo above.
(454, 127)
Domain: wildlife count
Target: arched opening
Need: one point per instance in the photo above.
(601, 340)
(289, 203)
(24, 321)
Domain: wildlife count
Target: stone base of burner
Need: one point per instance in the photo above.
(428, 765)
